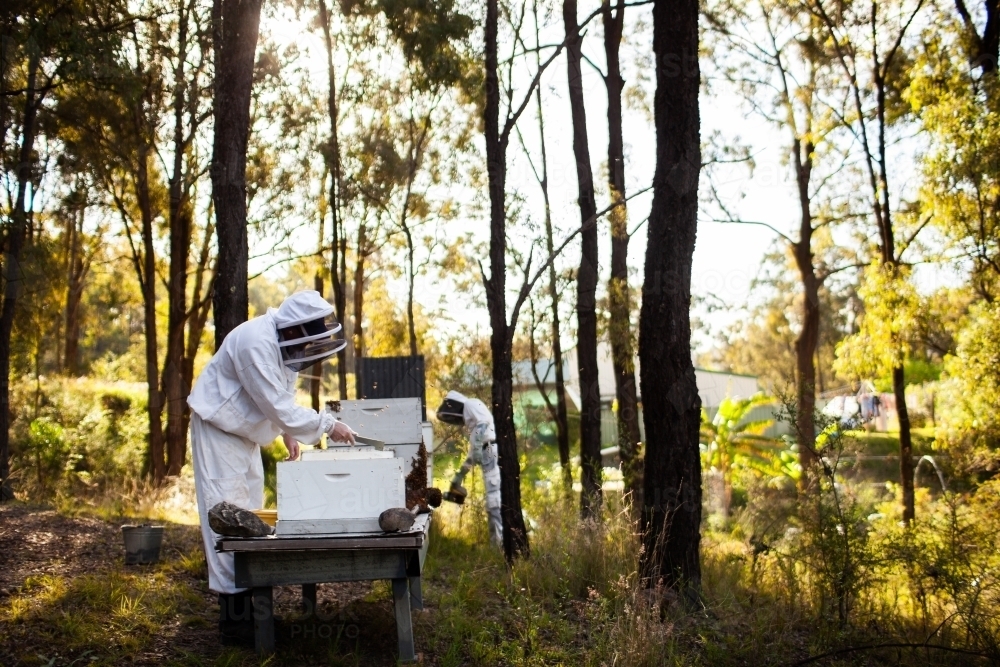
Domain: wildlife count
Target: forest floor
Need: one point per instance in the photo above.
(67, 598)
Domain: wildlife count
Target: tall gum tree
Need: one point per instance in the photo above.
(671, 515)
(768, 52)
(586, 277)
(869, 44)
(235, 28)
(620, 332)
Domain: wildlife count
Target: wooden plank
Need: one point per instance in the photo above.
(404, 623)
(416, 537)
(284, 568)
(263, 620)
(320, 544)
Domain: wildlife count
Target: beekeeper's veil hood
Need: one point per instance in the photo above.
(452, 409)
(458, 409)
(306, 328)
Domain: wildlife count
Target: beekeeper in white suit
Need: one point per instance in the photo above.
(243, 399)
(473, 413)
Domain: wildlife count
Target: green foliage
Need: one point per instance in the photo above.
(76, 438)
(971, 392)
(731, 442)
(883, 339)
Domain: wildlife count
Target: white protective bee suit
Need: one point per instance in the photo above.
(482, 452)
(243, 399)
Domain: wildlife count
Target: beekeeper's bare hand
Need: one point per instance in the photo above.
(341, 432)
(292, 445)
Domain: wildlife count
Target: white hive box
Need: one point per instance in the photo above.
(337, 495)
(396, 422)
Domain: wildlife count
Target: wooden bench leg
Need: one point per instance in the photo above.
(416, 595)
(404, 624)
(309, 599)
(263, 620)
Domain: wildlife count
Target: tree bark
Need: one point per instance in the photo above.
(671, 516)
(179, 220)
(619, 298)
(77, 269)
(515, 533)
(316, 381)
(12, 271)
(154, 407)
(808, 339)
(339, 242)
(889, 259)
(359, 301)
(235, 25)
(586, 280)
(198, 315)
(411, 327)
(560, 413)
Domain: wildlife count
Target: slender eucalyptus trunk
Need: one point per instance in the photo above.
(515, 533)
(671, 515)
(889, 259)
(179, 219)
(154, 406)
(12, 271)
(339, 243)
(198, 316)
(76, 273)
(235, 25)
(359, 300)
(808, 339)
(560, 414)
(619, 298)
(316, 381)
(586, 280)
(410, 275)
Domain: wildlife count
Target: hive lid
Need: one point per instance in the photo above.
(394, 421)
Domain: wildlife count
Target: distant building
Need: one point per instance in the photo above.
(713, 387)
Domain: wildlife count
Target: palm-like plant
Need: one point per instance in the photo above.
(730, 441)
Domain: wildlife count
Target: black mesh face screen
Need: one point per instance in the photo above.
(451, 411)
(315, 327)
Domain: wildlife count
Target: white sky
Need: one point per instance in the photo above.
(727, 257)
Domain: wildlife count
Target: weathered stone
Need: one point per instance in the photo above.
(396, 519)
(232, 521)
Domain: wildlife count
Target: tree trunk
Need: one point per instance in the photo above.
(339, 244)
(12, 272)
(235, 25)
(619, 310)
(671, 515)
(808, 339)
(889, 259)
(515, 533)
(561, 417)
(154, 407)
(586, 280)
(76, 273)
(179, 218)
(316, 381)
(905, 445)
(198, 316)
(359, 301)
(411, 324)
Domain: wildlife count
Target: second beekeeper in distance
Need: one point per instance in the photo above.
(245, 398)
(478, 421)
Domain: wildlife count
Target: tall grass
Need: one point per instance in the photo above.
(769, 598)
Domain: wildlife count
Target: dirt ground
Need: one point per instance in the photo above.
(354, 623)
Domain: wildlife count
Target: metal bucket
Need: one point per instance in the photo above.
(142, 544)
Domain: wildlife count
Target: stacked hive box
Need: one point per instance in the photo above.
(344, 489)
